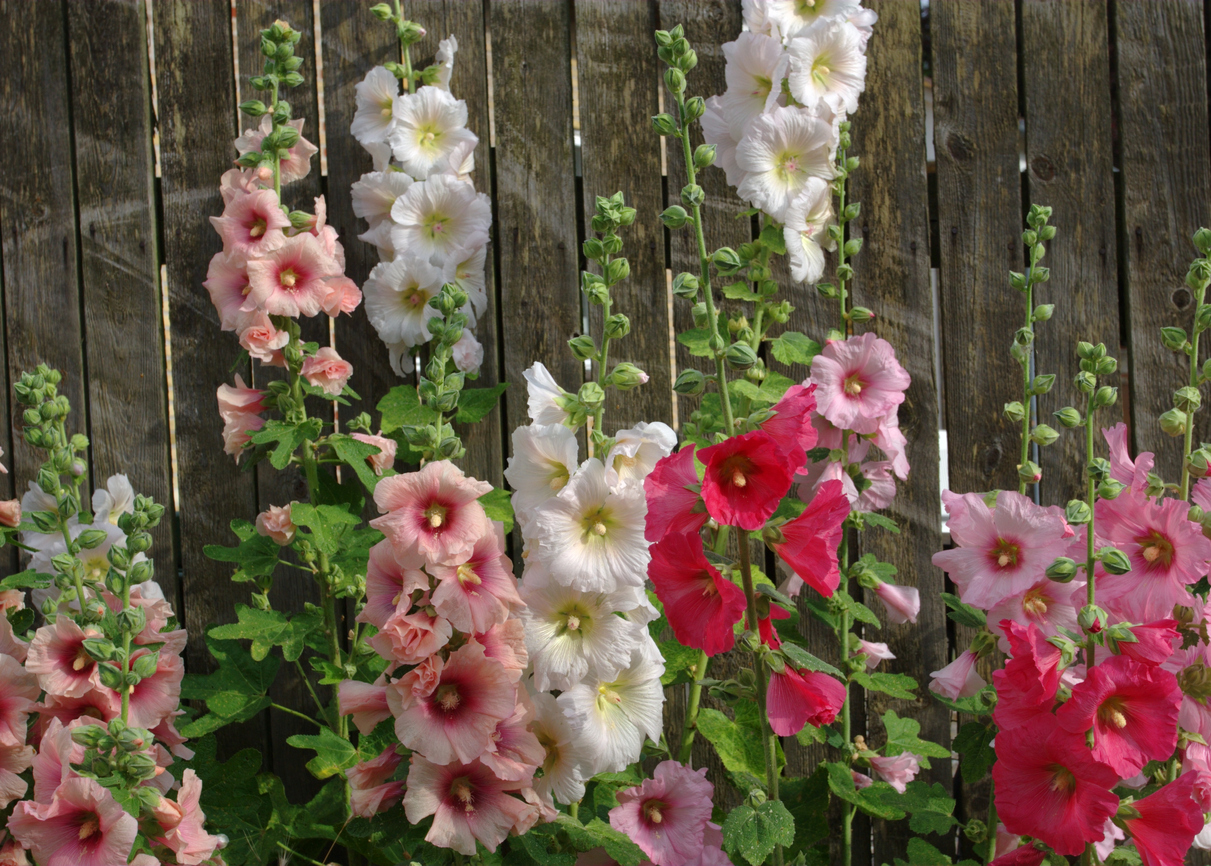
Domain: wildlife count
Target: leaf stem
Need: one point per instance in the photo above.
(1189, 440)
(303, 716)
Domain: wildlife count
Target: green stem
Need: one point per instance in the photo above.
(1026, 381)
(307, 682)
(847, 832)
(574, 809)
(1090, 498)
(842, 294)
(277, 162)
(125, 649)
(991, 841)
(604, 355)
(302, 716)
(1189, 441)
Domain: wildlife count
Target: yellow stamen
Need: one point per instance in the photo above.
(738, 479)
(573, 622)
(853, 385)
(599, 528)
(461, 790)
(466, 574)
(1119, 720)
(90, 827)
(448, 698)
(289, 278)
(81, 661)
(258, 229)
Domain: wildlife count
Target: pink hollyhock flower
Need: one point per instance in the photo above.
(1002, 551)
(506, 645)
(10, 644)
(1167, 552)
(416, 685)
(666, 815)
(238, 181)
(58, 658)
(10, 513)
(14, 760)
(1200, 495)
(262, 341)
(467, 802)
(411, 638)
(100, 703)
(11, 852)
(959, 679)
(897, 770)
(1168, 821)
(297, 164)
(343, 296)
(809, 542)
(166, 732)
(227, 283)
(674, 501)
(457, 720)
(370, 792)
(480, 591)
(881, 486)
(237, 433)
(515, 752)
(701, 605)
(390, 585)
(184, 824)
(385, 458)
(367, 703)
(1026, 686)
(1133, 473)
(1048, 605)
(746, 477)
(157, 696)
(275, 523)
(290, 281)
(327, 371)
(433, 512)
(874, 653)
(1024, 855)
(252, 224)
(81, 826)
(902, 603)
(798, 698)
(56, 753)
(1112, 835)
(1132, 708)
(1154, 643)
(891, 441)
(239, 399)
(858, 382)
(768, 632)
(1048, 785)
(791, 425)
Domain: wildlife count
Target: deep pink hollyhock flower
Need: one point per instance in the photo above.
(227, 283)
(327, 371)
(1168, 821)
(1002, 551)
(343, 296)
(1200, 494)
(385, 458)
(275, 523)
(1132, 708)
(183, 823)
(433, 512)
(14, 760)
(83, 825)
(809, 542)
(456, 722)
(1133, 473)
(411, 638)
(666, 815)
(390, 585)
(157, 696)
(897, 770)
(515, 752)
(506, 645)
(874, 652)
(858, 382)
(370, 792)
(1048, 605)
(791, 425)
(58, 658)
(746, 477)
(1023, 855)
(1048, 785)
(959, 679)
(1167, 552)
(766, 628)
(366, 702)
(467, 802)
(798, 698)
(1155, 642)
(252, 224)
(478, 591)
(1026, 686)
(673, 494)
(262, 340)
(290, 281)
(701, 605)
(902, 603)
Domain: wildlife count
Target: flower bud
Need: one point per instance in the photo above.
(1043, 312)
(690, 383)
(1015, 411)
(617, 325)
(726, 260)
(1173, 339)
(1085, 382)
(1187, 399)
(1089, 352)
(1068, 417)
(449, 448)
(626, 376)
(694, 108)
(861, 314)
(1063, 570)
(674, 217)
(1042, 434)
(1030, 472)
(692, 195)
(1174, 422)
(583, 348)
(1110, 489)
(382, 12)
(740, 356)
(591, 395)
(1092, 619)
(1105, 396)
(1105, 366)
(685, 286)
(704, 155)
(1199, 463)
(674, 80)
(90, 538)
(617, 271)
(1114, 560)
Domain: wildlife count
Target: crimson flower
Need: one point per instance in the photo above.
(701, 605)
(1154, 642)
(809, 542)
(798, 698)
(1027, 685)
(1168, 821)
(674, 504)
(791, 425)
(746, 477)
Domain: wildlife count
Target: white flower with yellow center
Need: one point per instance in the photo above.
(438, 217)
(397, 297)
(465, 269)
(755, 68)
(636, 452)
(806, 231)
(377, 94)
(828, 60)
(445, 62)
(791, 18)
(113, 500)
(611, 718)
(781, 151)
(544, 458)
(560, 774)
(428, 125)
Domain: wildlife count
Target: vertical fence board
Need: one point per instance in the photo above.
(1071, 168)
(617, 70)
(892, 278)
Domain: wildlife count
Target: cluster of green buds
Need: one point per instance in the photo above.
(1187, 400)
(408, 33)
(281, 70)
(121, 758)
(846, 249)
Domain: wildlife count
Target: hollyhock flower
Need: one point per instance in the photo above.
(237, 432)
(390, 584)
(756, 65)
(480, 591)
(544, 458)
(674, 501)
(1168, 821)
(791, 18)
(370, 792)
(1112, 834)
(1132, 708)
(829, 60)
(327, 371)
(902, 603)
(1026, 686)
(859, 381)
(780, 152)
(1050, 606)
(376, 97)
(959, 679)
(1024, 855)
(239, 181)
(457, 720)
(559, 775)
(379, 237)
(1155, 642)
(52, 764)
(343, 296)
(367, 703)
(1166, 550)
(14, 760)
(1200, 495)
(874, 652)
(543, 396)
(637, 450)
(117, 497)
(444, 60)
(717, 130)
(252, 225)
(227, 283)
(410, 638)
(467, 801)
(1133, 473)
(746, 477)
(428, 125)
(459, 163)
(467, 353)
(806, 231)
(375, 192)
(590, 537)
(791, 425)
(290, 280)
(416, 685)
(897, 770)
(612, 717)
(506, 645)
(666, 815)
(10, 644)
(803, 697)
(440, 216)
(465, 269)
(515, 751)
(397, 299)
(100, 703)
(155, 697)
(434, 512)
(297, 164)
(10, 513)
(184, 823)
(58, 658)
(275, 523)
(262, 341)
(766, 629)
(82, 825)
(239, 400)
(891, 441)
(385, 458)
(809, 542)
(702, 605)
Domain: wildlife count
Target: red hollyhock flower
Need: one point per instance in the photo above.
(810, 541)
(1154, 642)
(1023, 855)
(1132, 708)
(674, 503)
(1048, 785)
(1027, 685)
(700, 604)
(798, 698)
(791, 425)
(1167, 824)
(769, 634)
(746, 477)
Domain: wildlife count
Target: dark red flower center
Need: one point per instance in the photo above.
(1156, 549)
(1005, 553)
(463, 793)
(88, 826)
(653, 811)
(447, 697)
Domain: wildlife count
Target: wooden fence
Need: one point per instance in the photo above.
(119, 118)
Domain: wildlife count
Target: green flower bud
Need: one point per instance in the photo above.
(1202, 319)
(1068, 417)
(664, 123)
(1042, 384)
(1105, 396)
(583, 348)
(1043, 434)
(617, 271)
(674, 80)
(1187, 399)
(1110, 489)
(1105, 366)
(1202, 241)
(1077, 512)
(692, 195)
(1063, 570)
(617, 326)
(674, 217)
(1173, 339)
(626, 376)
(701, 319)
(1199, 462)
(686, 286)
(1085, 382)
(382, 12)
(1015, 411)
(726, 261)
(1030, 472)
(1114, 560)
(90, 538)
(704, 155)
(1174, 422)
(1092, 619)
(740, 356)
(694, 108)
(590, 395)
(690, 383)
(449, 448)
(861, 314)
(663, 38)
(593, 249)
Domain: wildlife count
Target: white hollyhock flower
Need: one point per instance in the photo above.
(465, 269)
(806, 230)
(636, 451)
(380, 154)
(636, 606)
(590, 537)
(397, 297)
(467, 353)
(828, 60)
(544, 458)
(428, 125)
(400, 356)
(377, 94)
(612, 717)
(375, 192)
(756, 18)
(717, 130)
(445, 62)
(543, 396)
(648, 650)
(561, 775)
(113, 500)
(865, 20)
(791, 18)
(438, 216)
(755, 68)
(571, 634)
(460, 162)
(379, 236)
(781, 151)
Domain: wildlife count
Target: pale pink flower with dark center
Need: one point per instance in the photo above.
(155, 697)
(56, 753)
(290, 281)
(366, 702)
(10, 644)
(227, 283)
(433, 512)
(252, 225)
(370, 792)
(390, 585)
(58, 658)
(467, 801)
(240, 181)
(666, 816)
(505, 643)
(416, 685)
(385, 458)
(183, 824)
(100, 703)
(275, 523)
(515, 752)
(902, 603)
(297, 164)
(481, 591)
(262, 340)
(858, 382)
(82, 825)
(327, 371)
(15, 760)
(959, 679)
(897, 770)
(410, 638)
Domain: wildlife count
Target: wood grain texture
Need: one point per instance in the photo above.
(1071, 168)
(618, 76)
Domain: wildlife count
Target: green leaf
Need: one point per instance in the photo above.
(354, 453)
(870, 799)
(27, 580)
(288, 438)
(269, 628)
(791, 347)
(874, 518)
(963, 614)
(774, 386)
(332, 753)
(697, 342)
(499, 506)
(812, 736)
(740, 291)
(902, 736)
(327, 523)
(599, 834)
(753, 833)
(807, 801)
(740, 751)
(921, 853)
(974, 745)
(772, 237)
(932, 808)
(801, 658)
(678, 659)
(745, 388)
(979, 704)
(857, 610)
(475, 403)
(897, 685)
(532, 849)
(235, 692)
(256, 555)
(401, 406)
(20, 621)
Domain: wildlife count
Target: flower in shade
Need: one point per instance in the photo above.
(428, 125)
(467, 353)
(397, 298)
(440, 218)
(1023, 855)
(959, 679)
(717, 130)
(14, 760)
(367, 703)
(411, 638)
(666, 815)
(58, 658)
(1026, 686)
(465, 269)
(227, 283)
(467, 801)
(261, 339)
(327, 371)
(515, 751)
(385, 458)
(297, 164)
(480, 591)
(375, 192)
(873, 652)
(275, 523)
(434, 512)
(809, 543)
(1165, 823)
(239, 400)
(702, 606)
(902, 603)
(746, 478)
(859, 382)
(828, 61)
(612, 717)
(673, 494)
(252, 224)
(82, 825)
(390, 585)
(237, 433)
(1132, 709)
(544, 458)
(376, 97)
(10, 513)
(781, 151)
(370, 788)
(637, 450)
(802, 697)
(183, 823)
(290, 281)
(897, 770)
